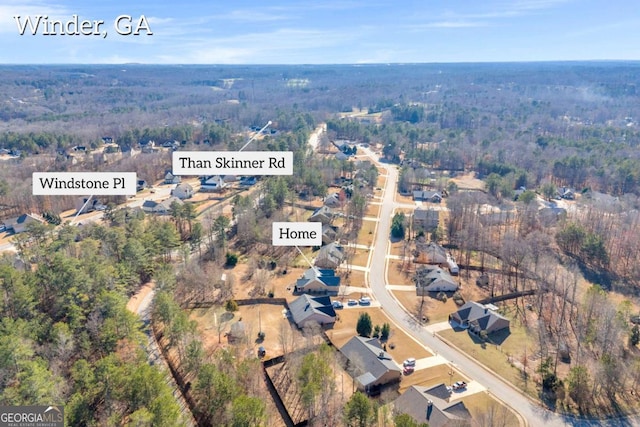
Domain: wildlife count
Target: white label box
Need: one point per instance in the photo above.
(84, 183)
(232, 162)
(296, 234)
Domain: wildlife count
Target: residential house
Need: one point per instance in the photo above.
(318, 281)
(248, 181)
(19, 224)
(212, 184)
(370, 365)
(431, 405)
(170, 178)
(182, 191)
(141, 185)
(332, 200)
(329, 233)
(83, 207)
(566, 193)
(330, 256)
(433, 279)
(107, 139)
(427, 196)
(430, 253)
(426, 220)
(160, 208)
(479, 317)
(324, 215)
(308, 310)
(148, 146)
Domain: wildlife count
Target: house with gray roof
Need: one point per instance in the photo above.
(432, 405)
(160, 208)
(170, 178)
(19, 224)
(182, 191)
(425, 219)
(430, 253)
(329, 233)
(330, 256)
(318, 281)
(369, 364)
(433, 279)
(479, 317)
(306, 309)
(323, 214)
(427, 196)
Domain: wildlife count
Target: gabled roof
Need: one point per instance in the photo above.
(305, 306)
(330, 255)
(323, 212)
(431, 274)
(478, 315)
(425, 214)
(326, 276)
(184, 186)
(22, 219)
(370, 360)
(430, 405)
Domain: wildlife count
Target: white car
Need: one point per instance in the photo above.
(352, 302)
(409, 362)
(365, 301)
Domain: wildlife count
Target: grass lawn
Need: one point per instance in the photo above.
(430, 377)
(408, 200)
(497, 357)
(382, 181)
(355, 278)
(345, 329)
(436, 310)
(479, 403)
(360, 257)
(396, 275)
(372, 210)
(365, 235)
(397, 248)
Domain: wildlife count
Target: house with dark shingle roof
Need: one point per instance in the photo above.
(425, 219)
(170, 178)
(306, 309)
(369, 364)
(427, 196)
(318, 281)
(431, 405)
(330, 256)
(324, 215)
(478, 317)
(19, 224)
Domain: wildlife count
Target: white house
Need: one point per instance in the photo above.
(182, 191)
(213, 184)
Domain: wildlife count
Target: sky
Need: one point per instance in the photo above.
(320, 32)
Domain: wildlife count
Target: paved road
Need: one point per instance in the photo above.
(534, 414)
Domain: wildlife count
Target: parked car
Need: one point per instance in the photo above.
(337, 304)
(408, 370)
(352, 302)
(261, 351)
(409, 362)
(365, 301)
(459, 385)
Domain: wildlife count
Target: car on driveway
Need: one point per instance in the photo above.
(459, 385)
(409, 362)
(337, 304)
(408, 370)
(365, 301)
(352, 302)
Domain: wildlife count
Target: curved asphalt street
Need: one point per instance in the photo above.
(534, 414)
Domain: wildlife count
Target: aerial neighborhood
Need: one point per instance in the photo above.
(474, 263)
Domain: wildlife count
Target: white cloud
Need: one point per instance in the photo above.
(11, 8)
